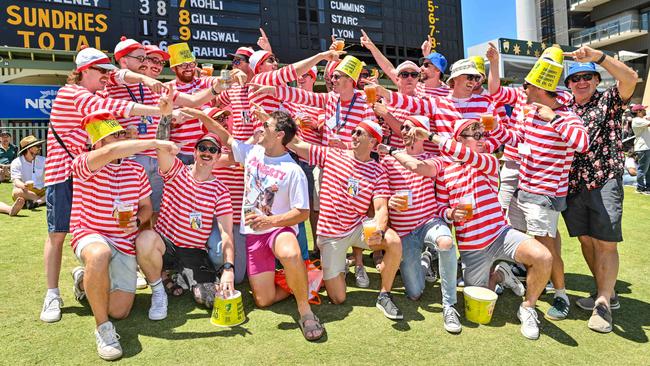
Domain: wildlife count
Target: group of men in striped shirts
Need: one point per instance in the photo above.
(417, 162)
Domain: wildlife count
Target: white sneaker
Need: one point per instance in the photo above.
(158, 309)
(529, 322)
(451, 319)
(77, 280)
(141, 282)
(51, 309)
(361, 277)
(108, 342)
(426, 263)
(509, 279)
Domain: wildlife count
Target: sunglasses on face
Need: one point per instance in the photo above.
(357, 132)
(525, 85)
(473, 77)
(337, 77)
(236, 62)
(155, 61)
(272, 59)
(476, 135)
(364, 75)
(577, 78)
(139, 58)
(406, 74)
(101, 71)
(211, 149)
(187, 65)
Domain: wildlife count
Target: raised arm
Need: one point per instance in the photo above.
(626, 78)
(385, 65)
(494, 81)
(303, 66)
(212, 125)
(299, 147)
(569, 127)
(122, 149)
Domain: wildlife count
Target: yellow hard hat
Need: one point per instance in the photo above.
(100, 124)
(180, 53)
(350, 66)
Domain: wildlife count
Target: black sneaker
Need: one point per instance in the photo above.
(559, 310)
(588, 303)
(391, 311)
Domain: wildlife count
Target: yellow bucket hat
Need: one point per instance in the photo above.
(480, 64)
(180, 53)
(100, 124)
(350, 66)
(547, 72)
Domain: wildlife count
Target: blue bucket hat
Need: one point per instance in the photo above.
(437, 59)
(581, 67)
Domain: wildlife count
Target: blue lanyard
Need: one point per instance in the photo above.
(133, 96)
(339, 125)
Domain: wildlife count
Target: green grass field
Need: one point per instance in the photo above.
(357, 332)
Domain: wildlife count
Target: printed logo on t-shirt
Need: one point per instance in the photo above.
(353, 187)
(262, 183)
(196, 221)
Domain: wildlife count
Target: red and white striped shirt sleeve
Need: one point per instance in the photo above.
(318, 155)
(86, 102)
(572, 132)
(485, 163)
(415, 105)
(289, 94)
(508, 95)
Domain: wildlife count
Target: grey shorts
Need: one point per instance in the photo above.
(150, 166)
(333, 251)
(508, 182)
(597, 213)
(122, 268)
(478, 263)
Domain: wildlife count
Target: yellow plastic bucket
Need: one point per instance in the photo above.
(228, 312)
(479, 304)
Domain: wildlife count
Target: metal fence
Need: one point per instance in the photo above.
(22, 129)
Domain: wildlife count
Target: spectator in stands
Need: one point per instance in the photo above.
(27, 173)
(641, 128)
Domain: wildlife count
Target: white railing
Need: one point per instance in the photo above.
(608, 30)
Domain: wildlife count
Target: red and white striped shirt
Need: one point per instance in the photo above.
(308, 115)
(189, 207)
(192, 130)
(516, 98)
(349, 115)
(233, 178)
(94, 196)
(270, 103)
(71, 105)
(475, 175)
(422, 91)
(548, 150)
(444, 111)
(348, 188)
(422, 207)
(237, 98)
(139, 94)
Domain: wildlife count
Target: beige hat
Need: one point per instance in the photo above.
(464, 67)
(27, 142)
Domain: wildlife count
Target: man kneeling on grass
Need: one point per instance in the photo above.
(110, 198)
(352, 181)
(275, 202)
(191, 200)
(482, 232)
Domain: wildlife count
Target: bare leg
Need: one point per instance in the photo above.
(287, 250)
(554, 245)
(538, 261)
(149, 252)
(587, 246)
(52, 256)
(96, 258)
(392, 245)
(120, 304)
(606, 266)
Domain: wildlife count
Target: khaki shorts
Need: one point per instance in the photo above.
(333, 251)
(509, 180)
(532, 218)
(122, 269)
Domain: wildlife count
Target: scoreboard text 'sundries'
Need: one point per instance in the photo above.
(56, 29)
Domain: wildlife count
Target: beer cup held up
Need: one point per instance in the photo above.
(488, 121)
(466, 203)
(339, 43)
(371, 94)
(208, 69)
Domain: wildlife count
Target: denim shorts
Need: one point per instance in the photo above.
(58, 201)
(150, 166)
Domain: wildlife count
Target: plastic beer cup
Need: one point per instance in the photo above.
(371, 94)
(208, 69)
(467, 203)
(488, 121)
(339, 44)
(406, 195)
(124, 214)
(369, 228)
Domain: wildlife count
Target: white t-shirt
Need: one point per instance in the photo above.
(642, 133)
(272, 185)
(630, 163)
(26, 171)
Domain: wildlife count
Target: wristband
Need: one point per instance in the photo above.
(430, 138)
(391, 150)
(601, 59)
(214, 92)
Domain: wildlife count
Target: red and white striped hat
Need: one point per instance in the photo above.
(89, 56)
(151, 49)
(420, 121)
(373, 128)
(126, 46)
(462, 124)
(242, 51)
(313, 72)
(258, 58)
(329, 69)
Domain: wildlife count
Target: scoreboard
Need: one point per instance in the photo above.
(214, 28)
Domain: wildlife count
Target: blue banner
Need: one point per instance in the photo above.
(26, 101)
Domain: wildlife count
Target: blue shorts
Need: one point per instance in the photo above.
(58, 200)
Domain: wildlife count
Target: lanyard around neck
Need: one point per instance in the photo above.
(340, 125)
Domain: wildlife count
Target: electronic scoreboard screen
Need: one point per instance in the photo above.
(214, 28)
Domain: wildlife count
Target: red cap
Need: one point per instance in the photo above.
(210, 137)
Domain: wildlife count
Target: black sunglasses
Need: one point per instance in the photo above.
(525, 85)
(405, 128)
(211, 149)
(156, 61)
(357, 132)
(102, 71)
(577, 78)
(477, 135)
(272, 59)
(473, 77)
(406, 74)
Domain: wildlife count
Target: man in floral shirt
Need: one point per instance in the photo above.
(595, 201)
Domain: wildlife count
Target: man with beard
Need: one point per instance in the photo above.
(66, 139)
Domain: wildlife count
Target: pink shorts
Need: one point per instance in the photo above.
(260, 251)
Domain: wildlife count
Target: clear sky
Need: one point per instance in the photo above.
(486, 20)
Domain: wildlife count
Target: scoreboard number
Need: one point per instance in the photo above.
(144, 7)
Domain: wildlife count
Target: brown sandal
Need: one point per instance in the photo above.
(316, 330)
